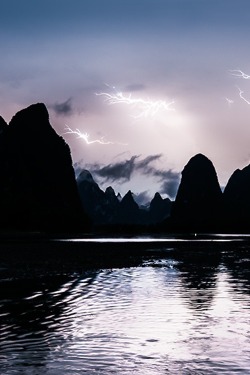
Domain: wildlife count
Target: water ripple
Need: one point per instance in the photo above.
(184, 313)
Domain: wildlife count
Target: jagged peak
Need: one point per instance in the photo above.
(85, 175)
(110, 191)
(129, 199)
(157, 196)
(129, 195)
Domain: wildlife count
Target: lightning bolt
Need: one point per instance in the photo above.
(148, 108)
(242, 97)
(239, 73)
(85, 137)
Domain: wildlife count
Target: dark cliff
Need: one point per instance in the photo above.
(38, 190)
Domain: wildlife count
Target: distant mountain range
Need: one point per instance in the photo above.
(108, 209)
(39, 191)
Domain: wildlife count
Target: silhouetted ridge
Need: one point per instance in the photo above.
(31, 123)
(159, 208)
(38, 188)
(111, 199)
(129, 212)
(106, 209)
(100, 206)
(110, 193)
(236, 199)
(198, 201)
(86, 176)
(92, 197)
(3, 125)
(128, 202)
(37, 113)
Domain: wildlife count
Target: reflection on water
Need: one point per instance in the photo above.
(180, 311)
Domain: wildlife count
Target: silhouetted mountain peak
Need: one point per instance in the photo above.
(199, 164)
(199, 177)
(157, 197)
(35, 113)
(111, 200)
(199, 195)
(129, 199)
(109, 190)
(242, 174)
(30, 129)
(100, 206)
(85, 175)
(110, 194)
(236, 193)
(160, 208)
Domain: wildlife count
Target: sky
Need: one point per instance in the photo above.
(135, 87)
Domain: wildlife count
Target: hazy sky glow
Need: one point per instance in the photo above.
(63, 53)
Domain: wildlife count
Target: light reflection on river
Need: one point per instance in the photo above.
(186, 312)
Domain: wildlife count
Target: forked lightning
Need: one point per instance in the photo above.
(148, 108)
(239, 73)
(85, 137)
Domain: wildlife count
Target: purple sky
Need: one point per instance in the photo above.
(63, 53)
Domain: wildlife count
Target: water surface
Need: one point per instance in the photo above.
(170, 309)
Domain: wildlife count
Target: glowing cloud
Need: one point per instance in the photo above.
(147, 108)
(85, 137)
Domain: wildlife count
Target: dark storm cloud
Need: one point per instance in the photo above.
(123, 171)
(171, 49)
(170, 186)
(144, 163)
(64, 108)
(169, 181)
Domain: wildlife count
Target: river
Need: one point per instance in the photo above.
(166, 306)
